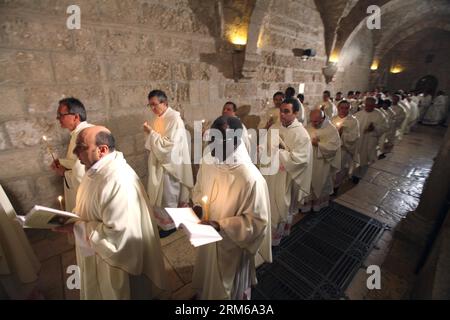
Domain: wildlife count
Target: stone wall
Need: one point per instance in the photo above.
(412, 53)
(124, 49)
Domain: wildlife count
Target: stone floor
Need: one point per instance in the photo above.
(388, 192)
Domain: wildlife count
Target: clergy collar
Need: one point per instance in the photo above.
(100, 163)
(82, 125)
(292, 125)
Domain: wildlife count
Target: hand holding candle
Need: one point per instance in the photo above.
(49, 147)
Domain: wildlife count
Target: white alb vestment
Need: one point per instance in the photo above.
(326, 158)
(349, 141)
(367, 144)
(291, 182)
(170, 178)
(117, 242)
(239, 202)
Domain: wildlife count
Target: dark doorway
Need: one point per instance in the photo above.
(428, 82)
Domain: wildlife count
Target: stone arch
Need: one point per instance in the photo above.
(255, 30)
(395, 39)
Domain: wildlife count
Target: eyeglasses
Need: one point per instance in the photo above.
(60, 115)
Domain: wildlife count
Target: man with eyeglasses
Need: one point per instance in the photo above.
(118, 251)
(291, 181)
(170, 178)
(71, 115)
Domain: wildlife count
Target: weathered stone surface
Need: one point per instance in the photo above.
(11, 102)
(24, 66)
(12, 168)
(114, 41)
(44, 100)
(50, 186)
(238, 90)
(144, 69)
(3, 142)
(124, 97)
(270, 74)
(17, 32)
(126, 145)
(76, 68)
(176, 47)
(26, 133)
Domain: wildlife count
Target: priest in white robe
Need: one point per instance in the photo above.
(424, 103)
(326, 144)
(401, 115)
(348, 127)
(327, 105)
(272, 115)
(289, 181)
(414, 103)
(170, 179)
(438, 110)
(71, 115)
(239, 209)
(229, 109)
(372, 124)
(117, 244)
(392, 128)
(19, 265)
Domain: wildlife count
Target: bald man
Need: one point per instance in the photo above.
(326, 144)
(117, 244)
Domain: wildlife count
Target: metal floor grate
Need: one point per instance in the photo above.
(320, 257)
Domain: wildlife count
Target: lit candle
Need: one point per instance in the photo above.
(49, 148)
(60, 198)
(203, 121)
(205, 207)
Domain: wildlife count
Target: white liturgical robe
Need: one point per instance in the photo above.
(437, 112)
(117, 242)
(291, 182)
(239, 202)
(326, 158)
(19, 265)
(75, 171)
(169, 161)
(349, 139)
(367, 145)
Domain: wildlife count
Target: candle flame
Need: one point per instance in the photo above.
(60, 198)
(205, 199)
(44, 138)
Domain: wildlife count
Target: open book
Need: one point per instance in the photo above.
(47, 218)
(199, 234)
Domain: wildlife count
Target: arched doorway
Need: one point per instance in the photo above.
(428, 82)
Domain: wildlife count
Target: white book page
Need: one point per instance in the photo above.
(46, 218)
(182, 215)
(199, 234)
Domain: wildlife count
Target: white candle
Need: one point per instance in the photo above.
(60, 198)
(205, 207)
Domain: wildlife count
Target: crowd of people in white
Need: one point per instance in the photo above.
(318, 147)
